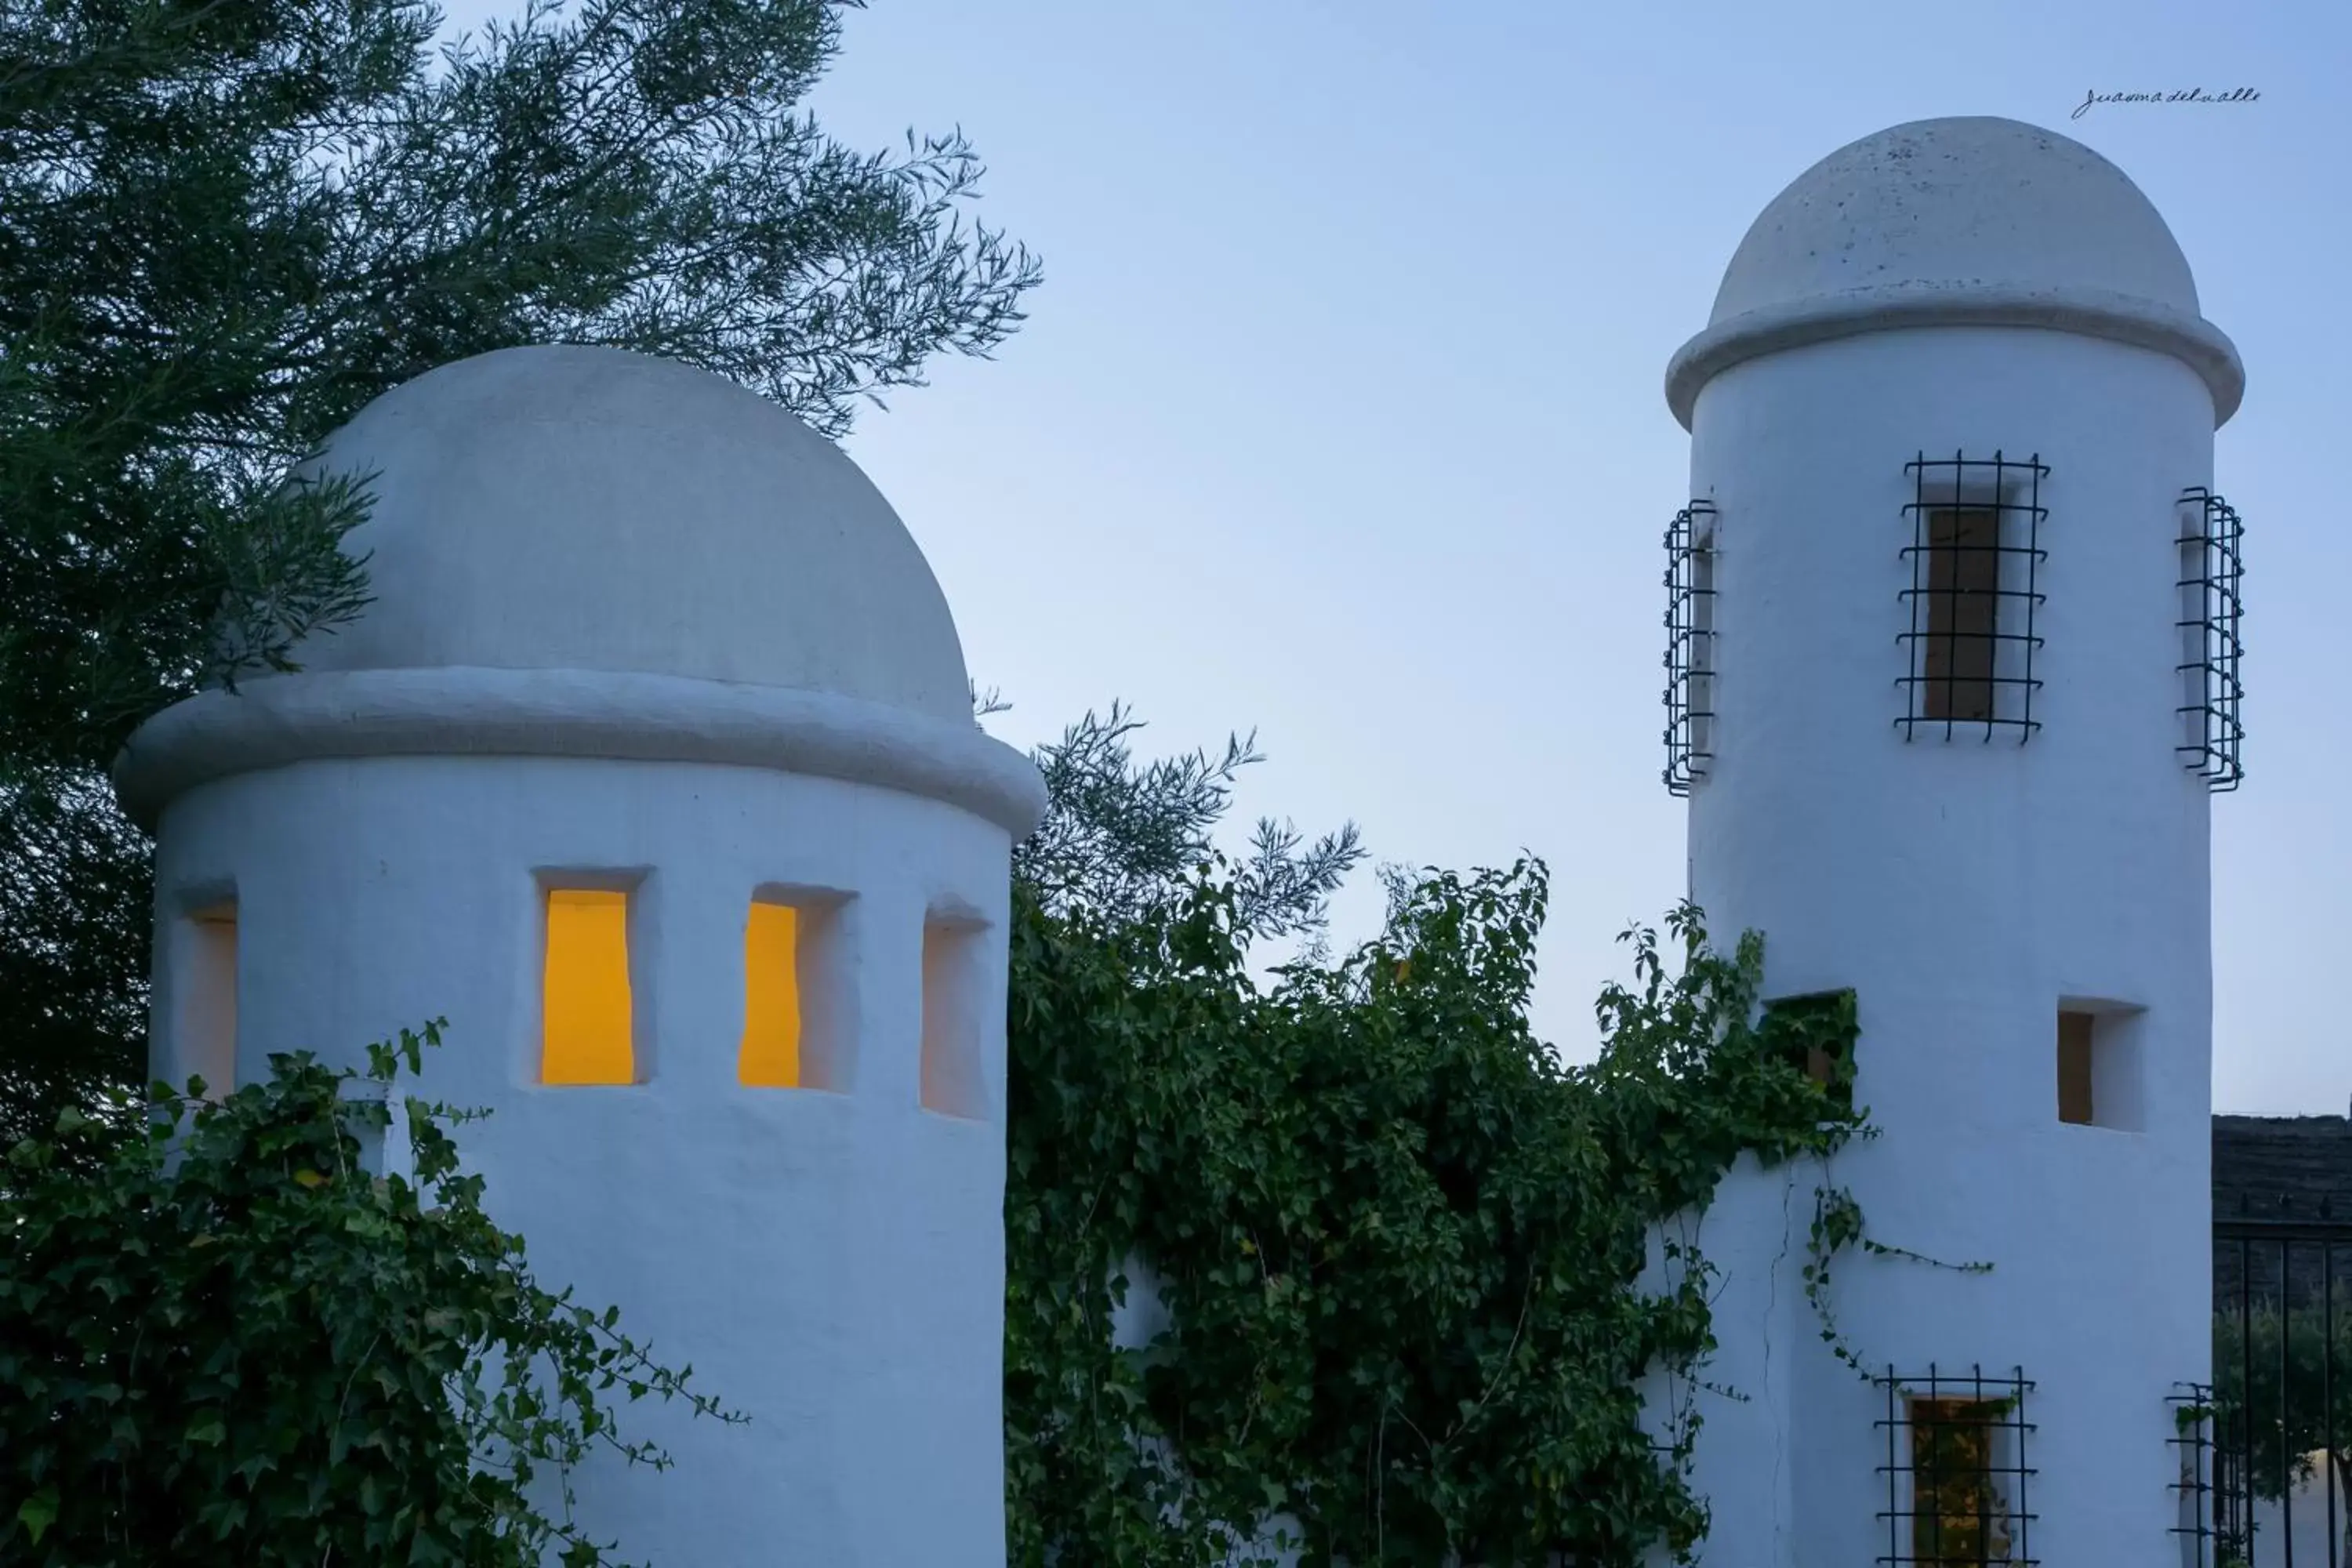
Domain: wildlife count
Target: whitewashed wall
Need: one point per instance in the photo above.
(1962, 889)
(831, 1263)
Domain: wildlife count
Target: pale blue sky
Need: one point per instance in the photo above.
(1338, 414)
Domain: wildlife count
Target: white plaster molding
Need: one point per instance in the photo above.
(471, 711)
(2086, 312)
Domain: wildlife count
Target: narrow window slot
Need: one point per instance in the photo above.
(205, 1025)
(1963, 613)
(953, 985)
(588, 1008)
(770, 1057)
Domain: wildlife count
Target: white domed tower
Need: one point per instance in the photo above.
(1954, 670)
(652, 768)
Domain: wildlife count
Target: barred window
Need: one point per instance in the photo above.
(1690, 647)
(1975, 560)
(1955, 1470)
(2211, 567)
(1963, 613)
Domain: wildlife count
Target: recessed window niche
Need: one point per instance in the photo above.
(794, 993)
(1956, 1471)
(1960, 1509)
(204, 986)
(1976, 576)
(2099, 1067)
(1963, 610)
(955, 988)
(587, 1003)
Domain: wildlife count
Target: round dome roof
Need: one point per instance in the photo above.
(1971, 221)
(575, 508)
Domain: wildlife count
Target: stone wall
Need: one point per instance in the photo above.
(2268, 1167)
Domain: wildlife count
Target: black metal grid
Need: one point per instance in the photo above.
(1948, 1416)
(2211, 570)
(2273, 1405)
(2007, 570)
(1690, 646)
(2192, 1407)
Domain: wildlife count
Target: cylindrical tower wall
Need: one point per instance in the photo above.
(1966, 889)
(830, 1261)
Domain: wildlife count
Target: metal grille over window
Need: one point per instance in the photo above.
(1976, 559)
(2192, 1421)
(1690, 646)
(2213, 737)
(1955, 1470)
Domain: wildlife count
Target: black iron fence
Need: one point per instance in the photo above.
(2266, 1447)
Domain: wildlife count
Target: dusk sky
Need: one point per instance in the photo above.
(1338, 413)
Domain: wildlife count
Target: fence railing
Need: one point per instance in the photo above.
(2266, 1447)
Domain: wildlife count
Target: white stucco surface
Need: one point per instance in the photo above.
(1963, 888)
(1970, 221)
(829, 1262)
(472, 711)
(567, 507)
(637, 629)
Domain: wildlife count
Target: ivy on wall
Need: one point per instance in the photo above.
(1406, 1252)
(224, 1340)
(1402, 1246)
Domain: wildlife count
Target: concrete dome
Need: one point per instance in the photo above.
(573, 508)
(1939, 203)
(1971, 221)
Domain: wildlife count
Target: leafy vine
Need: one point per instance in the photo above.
(225, 1338)
(1405, 1253)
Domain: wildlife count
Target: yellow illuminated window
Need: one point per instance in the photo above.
(587, 1004)
(771, 1055)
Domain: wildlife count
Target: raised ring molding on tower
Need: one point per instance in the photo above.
(2086, 312)
(460, 711)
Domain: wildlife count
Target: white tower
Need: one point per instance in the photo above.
(653, 769)
(1955, 671)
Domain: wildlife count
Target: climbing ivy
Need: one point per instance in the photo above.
(1405, 1253)
(225, 1340)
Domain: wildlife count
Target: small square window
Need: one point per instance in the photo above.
(1815, 1032)
(588, 1018)
(2099, 1065)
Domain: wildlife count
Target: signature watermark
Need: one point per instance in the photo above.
(2187, 95)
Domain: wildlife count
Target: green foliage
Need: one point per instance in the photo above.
(1401, 1246)
(226, 1342)
(1959, 1507)
(2283, 1416)
(226, 229)
(1116, 839)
